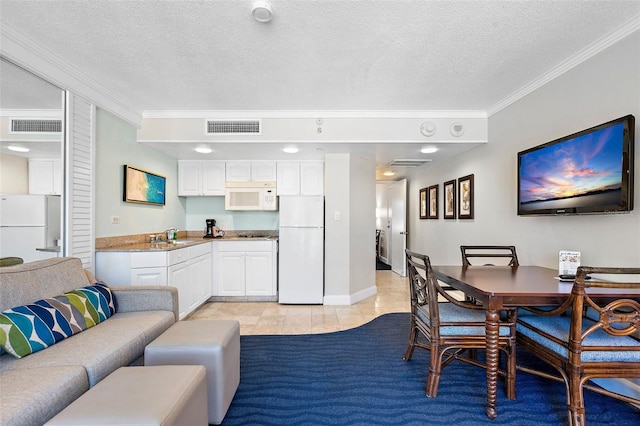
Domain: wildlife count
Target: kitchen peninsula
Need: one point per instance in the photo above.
(240, 266)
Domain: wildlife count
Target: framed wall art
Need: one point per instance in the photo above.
(449, 199)
(465, 197)
(423, 203)
(432, 197)
(141, 186)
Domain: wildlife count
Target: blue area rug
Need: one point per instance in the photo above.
(358, 377)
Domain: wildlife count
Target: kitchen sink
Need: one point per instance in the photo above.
(175, 242)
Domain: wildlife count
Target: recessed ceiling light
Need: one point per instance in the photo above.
(428, 150)
(389, 173)
(17, 148)
(290, 150)
(204, 150)
(262, 11)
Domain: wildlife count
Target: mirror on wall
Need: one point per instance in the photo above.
(31, 164)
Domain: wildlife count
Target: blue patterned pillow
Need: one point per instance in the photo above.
(36, 326)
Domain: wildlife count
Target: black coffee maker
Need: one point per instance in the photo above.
(212, 231)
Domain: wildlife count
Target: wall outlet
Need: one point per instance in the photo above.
(115, 219)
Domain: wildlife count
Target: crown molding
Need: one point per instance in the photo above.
(292, 114)
(588, 52)
(26, 53)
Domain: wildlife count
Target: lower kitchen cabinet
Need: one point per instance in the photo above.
(245, 268)
(188, 269)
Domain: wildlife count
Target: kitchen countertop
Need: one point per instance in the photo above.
(180, 243)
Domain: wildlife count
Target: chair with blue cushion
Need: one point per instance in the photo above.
(448, 327)
(594, 339)
(492, 253)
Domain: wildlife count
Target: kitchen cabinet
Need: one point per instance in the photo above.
(188, 269)
(300, 178)
(250, 171)
(201, 178)
(245, 268)
(312, 178)
(288, 178)
(45, 177)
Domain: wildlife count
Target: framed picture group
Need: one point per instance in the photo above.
(457, 199)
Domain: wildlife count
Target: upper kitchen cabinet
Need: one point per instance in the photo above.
(312, 178)
(300, 178)
(250, 171)
(201, 178)
(45, 177)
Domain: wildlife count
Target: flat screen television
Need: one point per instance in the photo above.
(588, 172)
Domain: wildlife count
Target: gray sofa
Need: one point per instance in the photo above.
(36, 387)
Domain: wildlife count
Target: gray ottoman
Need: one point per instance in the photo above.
(214, 344)
(167, 395)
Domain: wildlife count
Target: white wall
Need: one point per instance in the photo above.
(603, 88)
(14, 174)
(336, 232)
(349, 240)
(115, 146)
(363, 227)
(201, 208)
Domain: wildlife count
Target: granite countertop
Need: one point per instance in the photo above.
(134, 244)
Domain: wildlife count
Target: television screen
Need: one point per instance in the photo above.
(587, 172)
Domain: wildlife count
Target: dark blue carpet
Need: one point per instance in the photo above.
(358, 377)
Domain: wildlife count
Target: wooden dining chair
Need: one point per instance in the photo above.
(490, 252)
(450, 328)
(593, 339)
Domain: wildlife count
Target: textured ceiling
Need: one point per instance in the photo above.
(316, 54)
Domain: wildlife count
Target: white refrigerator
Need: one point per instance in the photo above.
(27, 223)
(301, 250)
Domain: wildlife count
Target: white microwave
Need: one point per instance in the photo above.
(250, 196)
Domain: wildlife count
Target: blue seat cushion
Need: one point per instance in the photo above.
(558, 326)
(453, 313)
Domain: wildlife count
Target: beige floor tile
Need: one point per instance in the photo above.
(273, 318)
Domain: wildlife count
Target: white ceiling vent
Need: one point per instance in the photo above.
(417, 162)
(22, 125)
(233, 127)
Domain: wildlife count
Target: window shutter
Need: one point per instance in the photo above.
(79, 234)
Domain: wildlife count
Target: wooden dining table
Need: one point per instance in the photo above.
(501, 287)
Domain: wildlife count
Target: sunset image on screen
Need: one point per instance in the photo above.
(576, 169)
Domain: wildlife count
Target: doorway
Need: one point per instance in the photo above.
(397, 226)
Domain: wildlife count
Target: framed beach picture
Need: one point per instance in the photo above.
(465, 197)
(423, 203)
(432, 197)
(141, 186)
(449, 199)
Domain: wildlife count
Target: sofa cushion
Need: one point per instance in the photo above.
(102, 349)
(32, 396)
(22, 284)
(36, 326)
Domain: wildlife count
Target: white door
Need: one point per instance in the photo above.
(398, 226)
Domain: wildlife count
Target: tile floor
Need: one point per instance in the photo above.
(273, 318)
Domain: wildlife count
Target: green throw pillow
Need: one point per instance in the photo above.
(36, 326)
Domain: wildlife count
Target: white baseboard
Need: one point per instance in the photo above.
(350, 299)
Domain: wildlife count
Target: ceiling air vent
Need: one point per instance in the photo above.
(408, 162)
(233, 127)
(22, 125)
